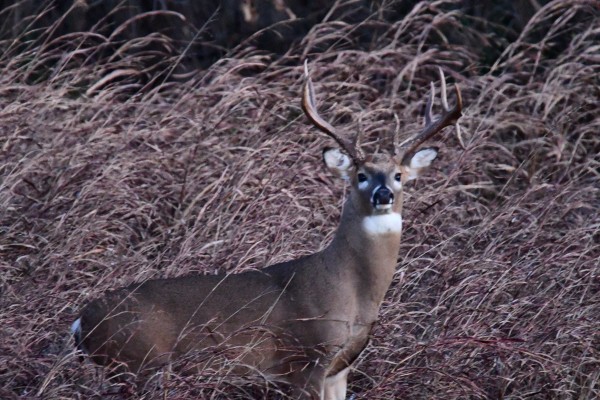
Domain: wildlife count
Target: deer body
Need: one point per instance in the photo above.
(327, 301)
(303, 321)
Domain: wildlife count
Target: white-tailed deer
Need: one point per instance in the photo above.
(302, 322)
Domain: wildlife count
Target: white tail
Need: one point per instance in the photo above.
(304, 321)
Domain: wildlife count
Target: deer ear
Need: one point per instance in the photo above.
(338, 162)
(421, 160)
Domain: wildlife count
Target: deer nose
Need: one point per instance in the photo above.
(383, 196)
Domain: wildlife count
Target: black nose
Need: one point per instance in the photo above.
(383, 195)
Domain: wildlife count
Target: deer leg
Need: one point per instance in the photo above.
(308, 384)
(335, 385)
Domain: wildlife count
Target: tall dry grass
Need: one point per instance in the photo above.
(114, 171)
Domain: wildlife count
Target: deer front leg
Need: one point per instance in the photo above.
(308, 384)
(335, 385)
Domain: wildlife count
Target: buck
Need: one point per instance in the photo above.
(302, 322)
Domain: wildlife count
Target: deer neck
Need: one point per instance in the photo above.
(366, 248)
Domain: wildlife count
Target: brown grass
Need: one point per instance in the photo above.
(113, 173)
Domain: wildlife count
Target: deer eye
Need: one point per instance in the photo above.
(398, 177)
(361, 177)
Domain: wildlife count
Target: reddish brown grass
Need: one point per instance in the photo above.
(110, 175)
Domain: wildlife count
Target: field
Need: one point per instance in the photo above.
(116, 168)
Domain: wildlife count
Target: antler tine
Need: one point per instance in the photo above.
(356, 141)
(449, 117)
(310, 109)
(396, 136)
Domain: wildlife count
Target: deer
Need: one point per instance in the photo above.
(302, 322)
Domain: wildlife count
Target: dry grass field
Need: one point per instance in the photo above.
(114, 171)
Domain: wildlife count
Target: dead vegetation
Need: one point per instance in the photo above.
(113, 173)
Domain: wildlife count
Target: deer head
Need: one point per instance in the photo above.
(377, 180)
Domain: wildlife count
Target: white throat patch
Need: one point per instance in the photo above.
(382, 224)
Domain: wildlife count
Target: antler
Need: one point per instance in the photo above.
(449, 117)
(352, 148)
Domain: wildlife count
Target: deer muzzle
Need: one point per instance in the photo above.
(383, 198)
